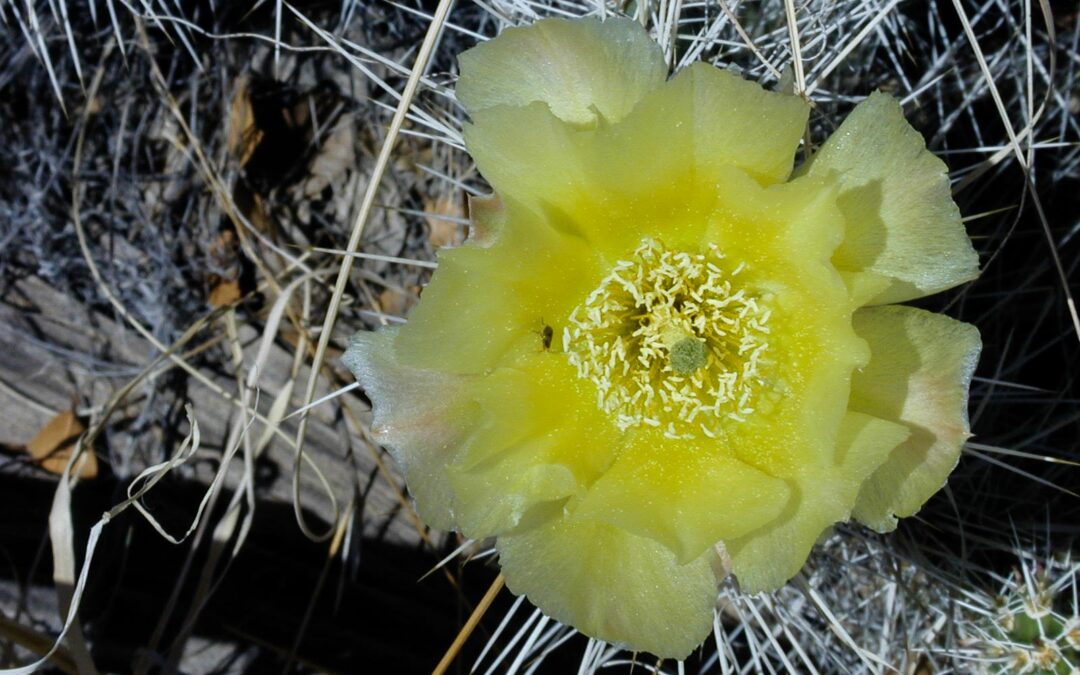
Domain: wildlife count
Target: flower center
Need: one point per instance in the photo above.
(671, 341)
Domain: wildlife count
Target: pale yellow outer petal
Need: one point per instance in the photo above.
(419, 416)
(686, 494)
(735, 122)
(703, 120)
(481, 452)
(920, 368)
(579, 68)
(766, 559)
(530, 156)
(901, 220)
(612, 585)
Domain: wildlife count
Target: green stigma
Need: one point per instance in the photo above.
(687, 355)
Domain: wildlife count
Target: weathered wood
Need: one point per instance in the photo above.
(57, 355)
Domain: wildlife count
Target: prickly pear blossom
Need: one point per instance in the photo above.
(663, 356)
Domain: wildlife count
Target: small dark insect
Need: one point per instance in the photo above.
(546, 333)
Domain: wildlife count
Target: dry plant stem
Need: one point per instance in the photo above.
(237, 435)
(470, 626)
(80, 234)
(166, 352)
(242, 402)
(226, 528)
(59, 519)
(1014, 143)
(747, 40)
(871, 25)
(796, 50)
(36, 643)
(422, 57)
(216, 184)
(332, 552)
(60, 525)
(62, 536)
(211, 576)
(241, 224)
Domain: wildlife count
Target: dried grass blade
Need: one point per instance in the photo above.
(422, 57)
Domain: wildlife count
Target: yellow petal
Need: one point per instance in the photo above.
(786, 234)
(419, 415)
(486, 298)
(901, 220)
(766, 559)
(580, 68)
(686, 494)
(552, 179)
(863, 287)
(734, 122)
(655, 173)
(602, 187)
(540, 439)
(612, 585)
(789, 231)
(684, 132)
(920, 368)
(495, 498)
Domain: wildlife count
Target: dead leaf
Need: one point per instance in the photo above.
(393, 303)
(244, 136)
(259, 217)
(53, 445)
(254, 208)
(441, 215)
(224, 293)
(336, 156)
(224, 285)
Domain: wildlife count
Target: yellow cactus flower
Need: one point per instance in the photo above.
(663, 356)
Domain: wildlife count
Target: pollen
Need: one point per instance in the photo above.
(673, 340)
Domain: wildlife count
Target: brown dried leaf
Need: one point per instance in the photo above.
(224, 286)
(393, 303)
(53, 445)
(224, 293)
(441, 230)
(336, 156)
(259, 217)
(244, 136)
(254, 208)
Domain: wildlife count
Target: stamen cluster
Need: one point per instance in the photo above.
(672, 341)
